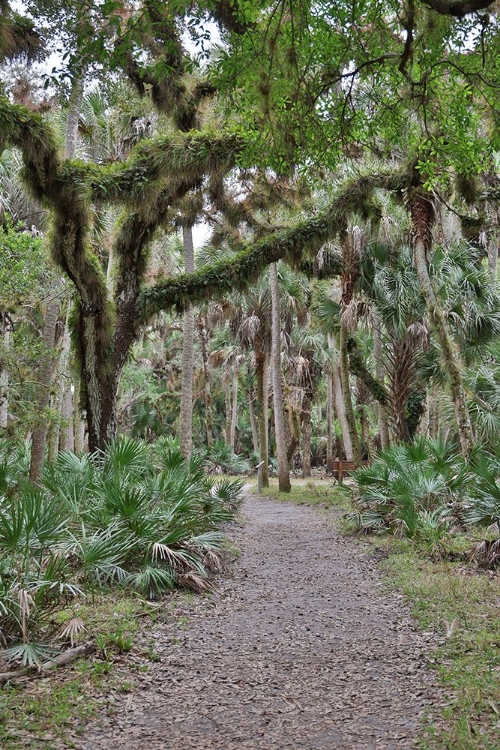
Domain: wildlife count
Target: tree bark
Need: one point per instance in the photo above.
(227, 406)
(202, 330)
(62, 385)
(234, 407)
(253, 421)
(279, 417)
(78, 422)
(186, 408)
(329, 422)
(261, 367)
(67, 437)
(72, 121)
(347, 398)
(306, 435)
(39, 439)
(422, 214)
(383, 417)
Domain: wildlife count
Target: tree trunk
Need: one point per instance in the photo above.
(306, 435)
(383, 417)
(4, 371)
(329, 423)
(73, 119)
(78, 423)
(347, 397)
(261, 367)
(279, 416)
(227, 406)
(67, 437)
(338, 398)
(202, 330)
(62, 385)
(234, 408)
(253, 421)
(45, 382)
(186, 408)
(422, 214)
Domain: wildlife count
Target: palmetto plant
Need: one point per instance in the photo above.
(136, 515)
(412, 488)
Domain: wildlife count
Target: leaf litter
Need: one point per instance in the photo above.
(299, 647)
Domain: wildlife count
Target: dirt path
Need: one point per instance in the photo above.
(301, 648)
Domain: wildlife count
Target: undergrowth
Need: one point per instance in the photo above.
(138, 517)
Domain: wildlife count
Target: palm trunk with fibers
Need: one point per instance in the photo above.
(279, 416)
(4, 371)
(422, 216)
(39, 439)
(351, 258)
(401, 360)
(262, 371)
(186, 409)
(202, 330)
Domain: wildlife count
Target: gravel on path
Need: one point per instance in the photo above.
(301, 647)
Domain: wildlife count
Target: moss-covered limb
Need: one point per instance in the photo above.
(28, 131)
(230, 16)
(18, 37)
(457, 8)
(291, 244)
(144, 173)
(225, 276)
(130, 251)
(358, 368)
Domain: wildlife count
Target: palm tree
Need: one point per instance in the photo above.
(279, 421)
(186, 408)
(421, 208)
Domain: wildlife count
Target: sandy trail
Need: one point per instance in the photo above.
(300, 648)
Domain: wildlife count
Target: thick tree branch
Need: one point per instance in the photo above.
(292, 244)
(457, 9)
(143, 175)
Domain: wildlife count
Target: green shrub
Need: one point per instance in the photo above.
(138, 515)
(413, 489)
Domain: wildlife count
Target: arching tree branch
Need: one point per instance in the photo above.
(223, 277)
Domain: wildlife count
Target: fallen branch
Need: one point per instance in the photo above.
(59, 661)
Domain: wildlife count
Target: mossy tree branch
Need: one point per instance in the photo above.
(292, 244)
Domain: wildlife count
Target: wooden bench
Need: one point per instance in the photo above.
(340, 467)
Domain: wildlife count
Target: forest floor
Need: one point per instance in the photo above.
(301, 646)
